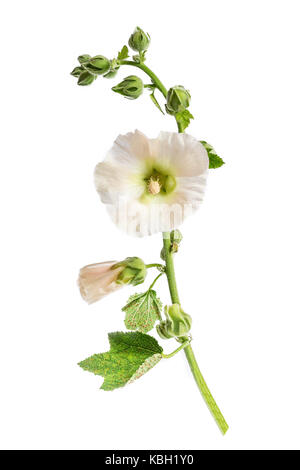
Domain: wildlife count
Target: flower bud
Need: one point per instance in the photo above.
(82, 59)
(139, 41)
(131, 87)
(77, 71)
(176, 236)
(97, 65)
(177, 323)
(178, 99)
(133, 271)
(100, 279)
(85, 78)
(97, 280)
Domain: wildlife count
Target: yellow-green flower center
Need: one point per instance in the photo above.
(158, 182)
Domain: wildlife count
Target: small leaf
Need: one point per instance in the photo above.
(142, 311)
(214, 160)
(152, 96)
(130, 356)
(123, 54)
(184, 118)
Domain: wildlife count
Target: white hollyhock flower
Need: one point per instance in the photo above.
(152, 185)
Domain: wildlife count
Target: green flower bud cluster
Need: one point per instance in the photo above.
(178, 100)
(131, 87)
(177, 323)
(139, 41)
(91, 67)
(134, 271)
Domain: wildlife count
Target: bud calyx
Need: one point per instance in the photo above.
(97, 65)
(139, 40)
(177, 323)
(178, 99)
(131, 87)
(134, 271)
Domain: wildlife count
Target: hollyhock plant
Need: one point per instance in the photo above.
(148, 185)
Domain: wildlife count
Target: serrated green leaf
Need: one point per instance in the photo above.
(147, 365)
(142, 311)
(184, 118)
(123, 54)
(153, 98)
(214, 160)
(131, 354)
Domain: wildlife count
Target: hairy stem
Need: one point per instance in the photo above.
(184, 345)
(150, 74)
(208, 398)
(157, 277)
(155, 265)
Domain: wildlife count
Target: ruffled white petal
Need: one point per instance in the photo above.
(129, 150)
(181, 152)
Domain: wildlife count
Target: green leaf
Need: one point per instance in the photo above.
(214, 160)
(123, 54)
(152, 96)
(142, 311)
(130, 356)
(184, 118)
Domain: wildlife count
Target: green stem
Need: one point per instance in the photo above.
(205, 392)
(155, 265)
(170, 270)
(154, 79)
(157, 277)
(184, 345)
(208, 398)
(150, 74)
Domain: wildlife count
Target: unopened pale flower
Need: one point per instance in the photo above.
(97, 280)
(152, 185)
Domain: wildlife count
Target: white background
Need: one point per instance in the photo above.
(238, 269)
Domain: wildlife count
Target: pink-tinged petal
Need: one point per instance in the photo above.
(97, 280)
